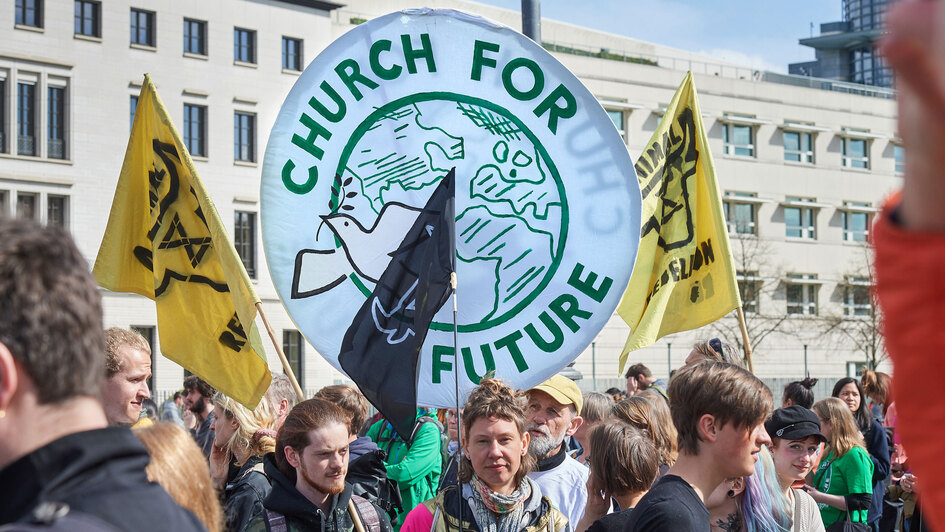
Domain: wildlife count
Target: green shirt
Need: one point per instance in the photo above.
(851, 473)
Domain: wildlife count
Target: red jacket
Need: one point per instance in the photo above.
(910, 285)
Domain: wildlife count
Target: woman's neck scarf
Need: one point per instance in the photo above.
(496, 512)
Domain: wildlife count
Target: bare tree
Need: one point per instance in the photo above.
(860, 320)
(758, 282)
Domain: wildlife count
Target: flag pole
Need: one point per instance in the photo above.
(285, 362)
(745, 340)
(459, 427)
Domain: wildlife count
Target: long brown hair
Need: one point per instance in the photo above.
(494, 399)
(654, 418)
(877, 384)
(844, 434)
(303, 418)
(178, 465)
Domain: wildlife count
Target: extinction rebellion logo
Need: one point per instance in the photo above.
(547, 204)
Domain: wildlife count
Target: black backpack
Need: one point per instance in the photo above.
(368, 477)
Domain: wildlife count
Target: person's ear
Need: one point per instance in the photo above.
(526, 439)
(738, 485)
(576, 422)
(9, 380)
(292, 457)
(707, 428)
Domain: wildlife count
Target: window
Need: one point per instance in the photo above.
(26, 206)
(244, 240)
(799, 219)
(856, 221)
(26, 119)
(148, 332)
(749, 285)
(855, 154)
(87, 18)
(291, 54)
(29, 13)
(56, 123)
(899, 154)
(801, 294)
(56, 213)
(244, 45)
(244, 137)
(856, 297)
(195, 37)
(293, 348)
(797, 147)
(195, 128)
(142, 27)
(3, 203)
(134, 106)
(738, 140)
(3, 116)
(618, 118)
(740, 215)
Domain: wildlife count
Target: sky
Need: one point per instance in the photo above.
(757, 33)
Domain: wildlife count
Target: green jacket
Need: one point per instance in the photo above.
(415, 469)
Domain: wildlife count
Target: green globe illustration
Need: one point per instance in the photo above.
(511, 210)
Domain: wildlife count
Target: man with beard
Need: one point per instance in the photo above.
(552, 414)
(197, 399)
(308, 471)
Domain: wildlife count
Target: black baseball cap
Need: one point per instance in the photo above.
(794, 423)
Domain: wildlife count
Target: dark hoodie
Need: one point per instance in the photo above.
(301, 514)
(97, 472)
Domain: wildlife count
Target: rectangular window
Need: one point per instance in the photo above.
(855, 153)
(134, 105)
(856, 223)
(3, 203)
(244, 239)
(56, 123)
(195, 128)
(3, 116)
(738, 140)
(899, 154)
(739, 216)
(56, 211)
(26, 206)
(87, 18)
(619, 119)
(195, 37)
(29, 13)
(797, 147)
(856, 297)
(244, 45)
(148, 332)
(291, 54)
(142, 27)
(244, 137)
(26, 119)
(748, 287)
(799, 221)
(801, 297)
(293, 348)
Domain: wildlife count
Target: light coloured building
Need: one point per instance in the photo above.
(803, 163)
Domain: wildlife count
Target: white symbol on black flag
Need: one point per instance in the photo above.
(381, 349)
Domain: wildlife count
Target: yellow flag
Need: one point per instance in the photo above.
(165, 241)
(683, 277)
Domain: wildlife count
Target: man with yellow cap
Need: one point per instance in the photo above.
(553, 413)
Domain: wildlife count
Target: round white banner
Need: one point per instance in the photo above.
(547, 202)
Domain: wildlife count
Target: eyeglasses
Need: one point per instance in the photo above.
(716, 346)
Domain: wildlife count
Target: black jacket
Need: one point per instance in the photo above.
(301, 515)
(97, 472)
(245, 493)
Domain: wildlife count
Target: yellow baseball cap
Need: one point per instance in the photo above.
(563, 390)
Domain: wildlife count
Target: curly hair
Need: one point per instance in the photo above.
(115, 339)
(251, 425)
(494, 399)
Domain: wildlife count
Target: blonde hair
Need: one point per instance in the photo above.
(256, 428)
(844, 434)
(653, 417)
(115, 338)
(178, 465)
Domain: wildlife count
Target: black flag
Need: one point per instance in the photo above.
(381, 349)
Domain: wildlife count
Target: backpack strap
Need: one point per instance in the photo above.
(365, 512)
(275, 522)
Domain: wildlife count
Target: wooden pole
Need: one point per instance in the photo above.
(285, 361)
(745, 340)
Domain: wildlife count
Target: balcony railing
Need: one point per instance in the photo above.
(26, 145)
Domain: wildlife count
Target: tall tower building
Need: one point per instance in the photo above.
(845, 49)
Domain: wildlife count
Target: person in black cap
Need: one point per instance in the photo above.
(795, 444)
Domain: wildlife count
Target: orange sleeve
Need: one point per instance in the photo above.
(910, 286)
